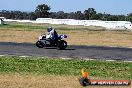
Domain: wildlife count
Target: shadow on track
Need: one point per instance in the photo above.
(58, 49)
(71, 47)
(100, 47)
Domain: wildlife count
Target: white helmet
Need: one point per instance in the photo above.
(49, 29)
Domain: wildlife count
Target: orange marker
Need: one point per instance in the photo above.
(84, 81)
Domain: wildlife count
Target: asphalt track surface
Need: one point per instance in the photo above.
(72, 51)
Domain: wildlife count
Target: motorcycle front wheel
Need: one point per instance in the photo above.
(39, 44)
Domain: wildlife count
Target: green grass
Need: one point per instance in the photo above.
(28, 26)
(21, 26)
(41, 27)
(38, 65)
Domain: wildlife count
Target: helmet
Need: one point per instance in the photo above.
(49, 29)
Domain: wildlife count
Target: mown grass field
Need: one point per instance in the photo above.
(72, 67)
(38, 72)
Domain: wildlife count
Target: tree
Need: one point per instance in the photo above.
(32, 16)
(88, 13)
(95, 17)
(121, 17)
(79, 15)
(129, 16)
(100, 16)
(71, 15)
(42, 11)
(112, 18)
(53, 15)
(61, 15)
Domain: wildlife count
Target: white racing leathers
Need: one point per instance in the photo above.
(52, 34)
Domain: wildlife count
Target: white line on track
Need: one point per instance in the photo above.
(69, 58)
(2, 55)
(24, 56)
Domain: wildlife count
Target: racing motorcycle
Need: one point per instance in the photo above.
(45, 41)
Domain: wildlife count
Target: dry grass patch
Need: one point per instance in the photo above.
(44, 81)
(75, 37)
(37, 81)
(18, 36)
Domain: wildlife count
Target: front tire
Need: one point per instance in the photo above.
(39, 44)
(62, 45)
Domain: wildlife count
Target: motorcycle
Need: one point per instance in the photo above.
(45, 41)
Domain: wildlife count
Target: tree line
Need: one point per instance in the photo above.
(43, 11)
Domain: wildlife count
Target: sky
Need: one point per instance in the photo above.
(114, 7)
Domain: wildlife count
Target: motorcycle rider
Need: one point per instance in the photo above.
(52, 34)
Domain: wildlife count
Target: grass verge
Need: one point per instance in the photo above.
(41, 27)
(72, 67)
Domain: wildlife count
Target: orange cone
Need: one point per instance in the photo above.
(84, 74)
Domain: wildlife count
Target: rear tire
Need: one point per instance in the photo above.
(62, 45)
(39, 44)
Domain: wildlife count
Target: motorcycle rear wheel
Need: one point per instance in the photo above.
(62, 44)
